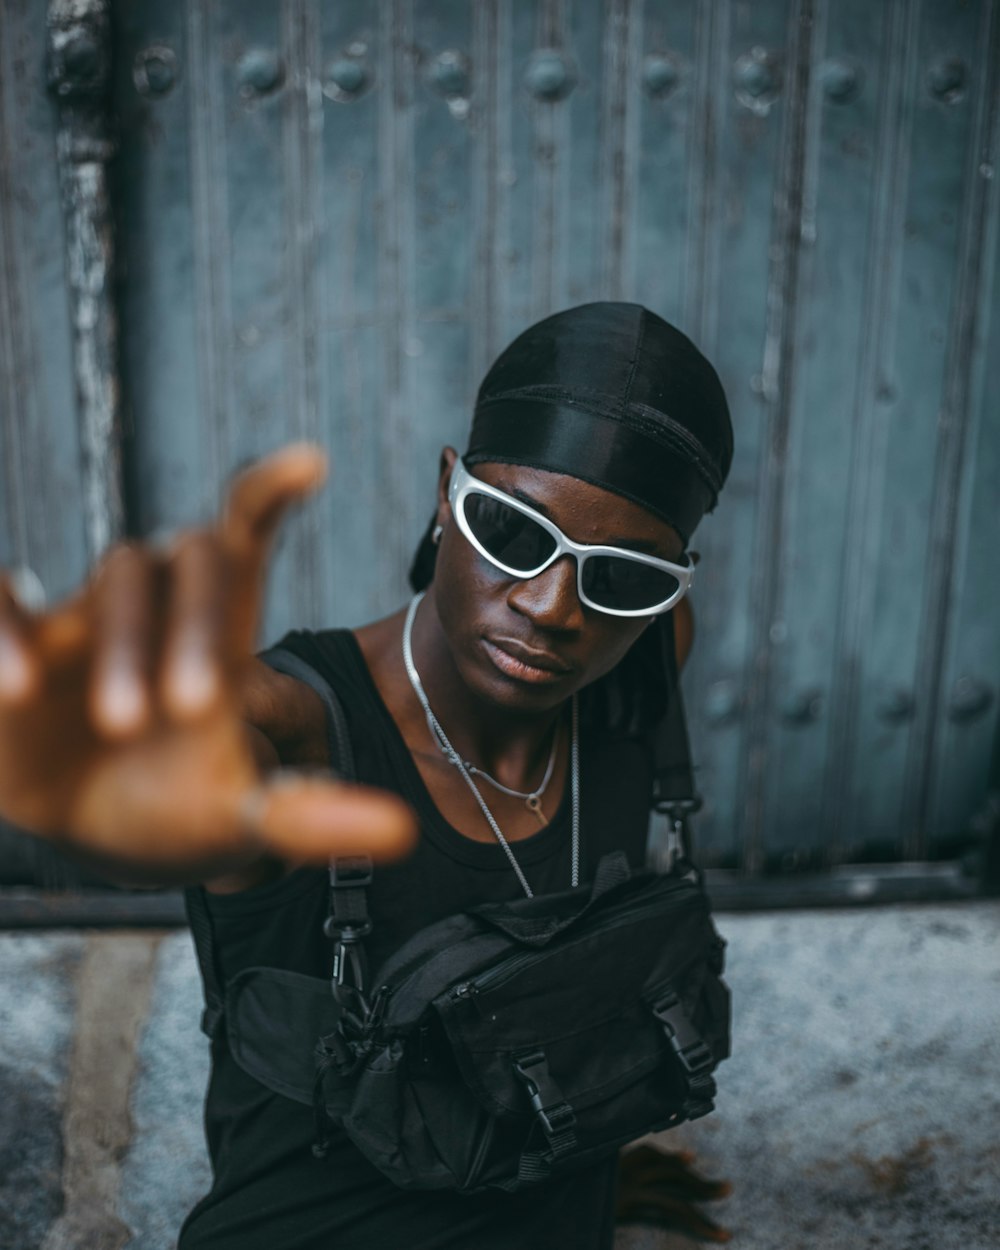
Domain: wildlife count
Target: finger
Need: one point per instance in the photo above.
(257, 501)
(687, 1185)
(672, 1213)
(671, 1172)
(191, 677)
(19, 669)
(301, 819)
(122, 609)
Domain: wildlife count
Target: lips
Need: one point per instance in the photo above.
(519, 660)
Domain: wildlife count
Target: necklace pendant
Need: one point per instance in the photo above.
(534, 804)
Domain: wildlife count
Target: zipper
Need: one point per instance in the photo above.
(509, 968)
(503, 970)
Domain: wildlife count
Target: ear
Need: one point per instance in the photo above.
(447, 462)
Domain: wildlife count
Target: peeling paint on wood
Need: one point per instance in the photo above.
(79, 75)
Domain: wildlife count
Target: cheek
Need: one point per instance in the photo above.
(611, 643)
(463, 584)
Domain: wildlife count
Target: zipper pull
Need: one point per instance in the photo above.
(465, 990)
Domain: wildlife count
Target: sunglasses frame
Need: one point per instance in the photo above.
(464, 484)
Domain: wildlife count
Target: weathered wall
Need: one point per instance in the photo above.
(329, 217)
(859, 1109)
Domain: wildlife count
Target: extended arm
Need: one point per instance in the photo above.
(138, 731)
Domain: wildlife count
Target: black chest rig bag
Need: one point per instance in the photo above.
(508, 1043)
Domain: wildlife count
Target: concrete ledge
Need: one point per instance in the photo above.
(859, 1111)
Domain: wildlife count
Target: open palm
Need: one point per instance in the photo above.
(122, 732)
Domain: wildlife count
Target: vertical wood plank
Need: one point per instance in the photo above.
(878, 811)
(41, 479)
(952, 744)
(667, 152)
(768, 631)
(864, 481)
(396, 185)
(305, 362)
(749, 68)
(352, 565)
(172, 446)
(446, 130)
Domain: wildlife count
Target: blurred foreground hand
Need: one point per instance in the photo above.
(123, 733)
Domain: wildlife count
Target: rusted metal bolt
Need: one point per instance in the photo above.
(259, 71)
(722, 703)
(549, 75)
(946, 80)
(803, 708)
(841, 80)
(896, 706)
(757, 79)
(346, 78)
(969, 700)
(154, 71)
(660, 75)
(449, 73)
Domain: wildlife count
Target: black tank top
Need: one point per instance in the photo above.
(269, 1192)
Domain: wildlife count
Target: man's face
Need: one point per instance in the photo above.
(529, 644)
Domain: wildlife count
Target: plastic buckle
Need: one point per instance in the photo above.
(555, 1115)
(351, 871)
(695, 1055)
(696, 1058)
(677, 809)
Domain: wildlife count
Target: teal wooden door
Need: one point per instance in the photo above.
(330, 217)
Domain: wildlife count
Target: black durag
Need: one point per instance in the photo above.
(614, 395)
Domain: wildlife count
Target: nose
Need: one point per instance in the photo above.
(550, 600)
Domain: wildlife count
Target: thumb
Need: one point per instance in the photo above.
(303, 819)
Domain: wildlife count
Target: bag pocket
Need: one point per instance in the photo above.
(273, 1018)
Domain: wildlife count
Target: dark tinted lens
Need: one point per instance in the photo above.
(508, 535)
(627, 585)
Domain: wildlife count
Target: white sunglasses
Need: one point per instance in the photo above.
(522, 543)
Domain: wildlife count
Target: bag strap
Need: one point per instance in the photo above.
(338, 734)
(348, 904)
(203, 934)
(348, 920)
(674, 793)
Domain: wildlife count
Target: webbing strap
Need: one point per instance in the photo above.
(674, 795)
(341, 758)
(695, 1056)
(204, 943)
(553, 1115)
(673, 784)
(348, 920)
(338, 736)
(346, 925)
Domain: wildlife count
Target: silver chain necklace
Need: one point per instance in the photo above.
(532, 798)
(442, 739)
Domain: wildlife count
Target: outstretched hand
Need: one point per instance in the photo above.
(122, 731)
